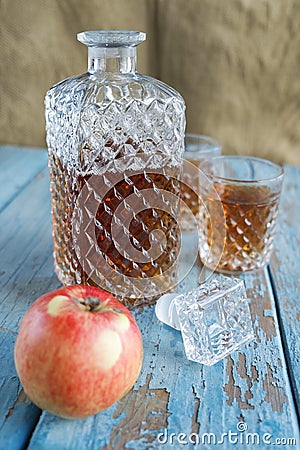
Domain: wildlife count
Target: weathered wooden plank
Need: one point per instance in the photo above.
(26, 265)
(26, 271)
(285, 274)
(17, 167)
(18, 415)
(172, 393)
(20, 422)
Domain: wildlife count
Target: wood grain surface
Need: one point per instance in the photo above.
(25, 166)
(256, 386)
(285, 274)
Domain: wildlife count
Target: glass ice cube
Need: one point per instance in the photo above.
(214, 319)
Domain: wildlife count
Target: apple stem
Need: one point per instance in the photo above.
(90, 303)
(94, 304)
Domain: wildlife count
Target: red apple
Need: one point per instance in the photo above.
(78, 351)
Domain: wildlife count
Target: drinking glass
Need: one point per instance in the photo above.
(197, 148)
(248, 189)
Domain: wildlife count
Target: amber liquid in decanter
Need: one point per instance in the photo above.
(143, 228)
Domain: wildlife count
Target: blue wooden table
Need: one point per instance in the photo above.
(249, 400)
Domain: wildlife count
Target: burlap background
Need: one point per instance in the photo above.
(236, 62)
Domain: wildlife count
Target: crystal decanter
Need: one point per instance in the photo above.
(115, 142)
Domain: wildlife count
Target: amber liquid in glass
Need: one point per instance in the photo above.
(249, 219)
(190, 198)
(189, 195)
(143, 224)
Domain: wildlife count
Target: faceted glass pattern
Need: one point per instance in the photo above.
(115, 142)
(197, 148)
(248, 190)
(214, 319)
